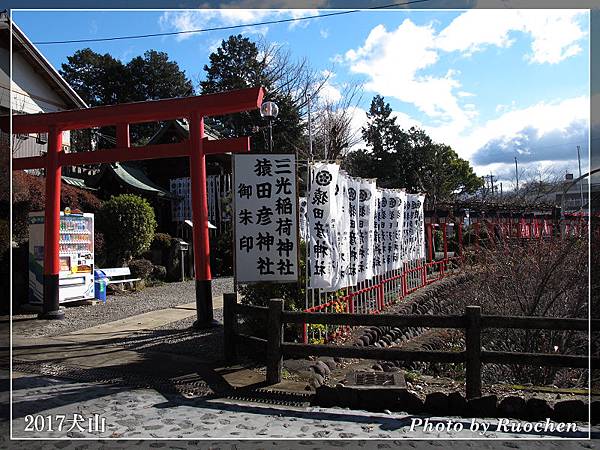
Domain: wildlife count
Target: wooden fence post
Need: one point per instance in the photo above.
(229, 326)
(274, 338)
(473, 351)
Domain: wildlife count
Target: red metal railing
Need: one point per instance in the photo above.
(373, 299)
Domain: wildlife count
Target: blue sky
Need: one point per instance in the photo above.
(493, 84)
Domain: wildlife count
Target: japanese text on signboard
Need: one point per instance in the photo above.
(266, 237)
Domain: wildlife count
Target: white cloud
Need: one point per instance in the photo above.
(399, 63)
(542, 136)
(324, 33)
(330, 93)
(358, 121)
(392, 61)
(554, 33)
(405, 121)
(337, 59)
(206, 18)
(298, 13)
(502, 107)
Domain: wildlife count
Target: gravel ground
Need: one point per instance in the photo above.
(117, 307)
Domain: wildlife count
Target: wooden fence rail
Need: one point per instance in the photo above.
(472, 322)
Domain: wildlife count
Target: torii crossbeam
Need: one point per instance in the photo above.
(121, 116)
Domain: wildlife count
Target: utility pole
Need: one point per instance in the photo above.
(501, 193)
(325, 142)
(309, 130)
(517, 172)
(492, 182)
(580, 181)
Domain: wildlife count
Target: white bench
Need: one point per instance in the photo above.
(114, 275)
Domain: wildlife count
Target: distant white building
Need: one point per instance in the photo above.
(36, 87)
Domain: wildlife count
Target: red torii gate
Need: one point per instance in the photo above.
(121, 116)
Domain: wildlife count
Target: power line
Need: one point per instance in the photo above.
(229, 27)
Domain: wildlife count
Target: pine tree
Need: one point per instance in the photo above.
(238, 64)
(104, 80)
(409, 159)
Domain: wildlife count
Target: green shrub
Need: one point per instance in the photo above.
(221, 250)
(293, 295)
(141, 268)
(128, 223)
(159, 272)
(29, 194)
(161, 241)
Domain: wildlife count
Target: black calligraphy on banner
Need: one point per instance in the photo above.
(322, 216)
(396, 205)
(266, 228)
(353, 240)
(413, 241)
(342, 229)
(367, 197)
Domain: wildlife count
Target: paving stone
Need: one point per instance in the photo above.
(538, 409)
(347, 435)
(570, 411)
(321, 434)
(512, 406)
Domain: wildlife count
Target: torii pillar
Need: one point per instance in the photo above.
(195, 148)
(201, 242)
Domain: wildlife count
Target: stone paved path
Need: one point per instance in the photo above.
(146, 413)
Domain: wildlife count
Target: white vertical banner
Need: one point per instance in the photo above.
(366, 227)
(414, 224)
(378, 261)
(181, 208)
(420, 227)
(321, 217)
(397, 206)
(342, 229)
(212, 196)
(302, 218)
(407, 230)
(266, 227)
(353, 240)
(387, 225)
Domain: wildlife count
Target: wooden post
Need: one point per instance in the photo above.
(229, 326)
(473, 351)
(274, 338)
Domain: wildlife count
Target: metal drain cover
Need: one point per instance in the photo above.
(375, 380)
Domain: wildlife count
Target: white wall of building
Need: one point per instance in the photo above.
(30, 94)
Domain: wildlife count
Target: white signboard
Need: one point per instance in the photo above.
(266, 226)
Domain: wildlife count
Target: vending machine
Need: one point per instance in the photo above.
(76, 257)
